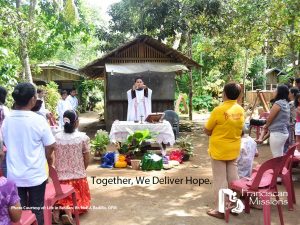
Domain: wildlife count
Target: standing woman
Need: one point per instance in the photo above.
(224, 128)
(297, 119)
(291, 128)
(278, 120)
(71, 161)
(139, 101)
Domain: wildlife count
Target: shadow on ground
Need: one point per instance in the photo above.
(167, 203)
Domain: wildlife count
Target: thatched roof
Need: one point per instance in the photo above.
(162, 53)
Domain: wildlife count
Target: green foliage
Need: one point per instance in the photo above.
(136, 138)
(52, 97)
(90, 93)
(186, 144)
(135, 141)
(100, 141)
(204, 102)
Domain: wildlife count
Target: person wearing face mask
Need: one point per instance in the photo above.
(139, 101)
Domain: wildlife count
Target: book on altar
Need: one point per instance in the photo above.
(154, 117)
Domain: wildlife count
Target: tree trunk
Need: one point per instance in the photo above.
(293, 47)
(25, 60)
(245, 75)
(265, 64)
(23, 39)
(190, 78)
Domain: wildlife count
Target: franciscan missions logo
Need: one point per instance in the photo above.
(239, 205)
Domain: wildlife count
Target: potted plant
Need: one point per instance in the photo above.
(185, 144)
(99, 143)
(134, 145)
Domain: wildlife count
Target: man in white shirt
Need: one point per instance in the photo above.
(62, 106)
(43, 111)
(73, 100)
(30, 144)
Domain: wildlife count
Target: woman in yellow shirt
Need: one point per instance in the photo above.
(225, 128)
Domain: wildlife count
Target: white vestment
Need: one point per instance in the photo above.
(62, 106)
(138, 106)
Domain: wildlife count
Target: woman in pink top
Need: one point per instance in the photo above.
(71, 161)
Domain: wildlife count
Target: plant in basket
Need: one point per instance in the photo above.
(137, 140)
(134, 145)
(99, 144)
(185, 144)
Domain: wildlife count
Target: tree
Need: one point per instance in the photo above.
(165, 20)
(40, 27)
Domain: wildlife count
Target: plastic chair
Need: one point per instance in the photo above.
(286, 176)
(27, 218)
(262, 184)
(264, 115)
(54, 192)
(173, 119)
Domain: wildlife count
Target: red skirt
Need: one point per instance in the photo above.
(82, 192)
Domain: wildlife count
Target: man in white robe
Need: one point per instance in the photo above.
(43, 111)
(62, 106)
(73, 100)
(139, 101)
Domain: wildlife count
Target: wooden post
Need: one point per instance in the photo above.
(179, 100)
(241, 98)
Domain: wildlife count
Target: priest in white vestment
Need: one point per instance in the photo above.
(139, 101)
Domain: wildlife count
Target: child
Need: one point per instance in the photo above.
(62, 106)
(297, 125)
(37, 108)
(71, 161)
(245, 160)
(10, 208)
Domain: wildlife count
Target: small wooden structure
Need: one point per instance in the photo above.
(272, 76)
(144, 56)
(61, 73)
(251, 96)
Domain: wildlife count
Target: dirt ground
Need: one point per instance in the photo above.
(184, 204)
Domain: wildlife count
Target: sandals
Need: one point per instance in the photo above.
(215, 213)
(67, 219)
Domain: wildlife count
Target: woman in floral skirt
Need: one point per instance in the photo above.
(71, 161)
